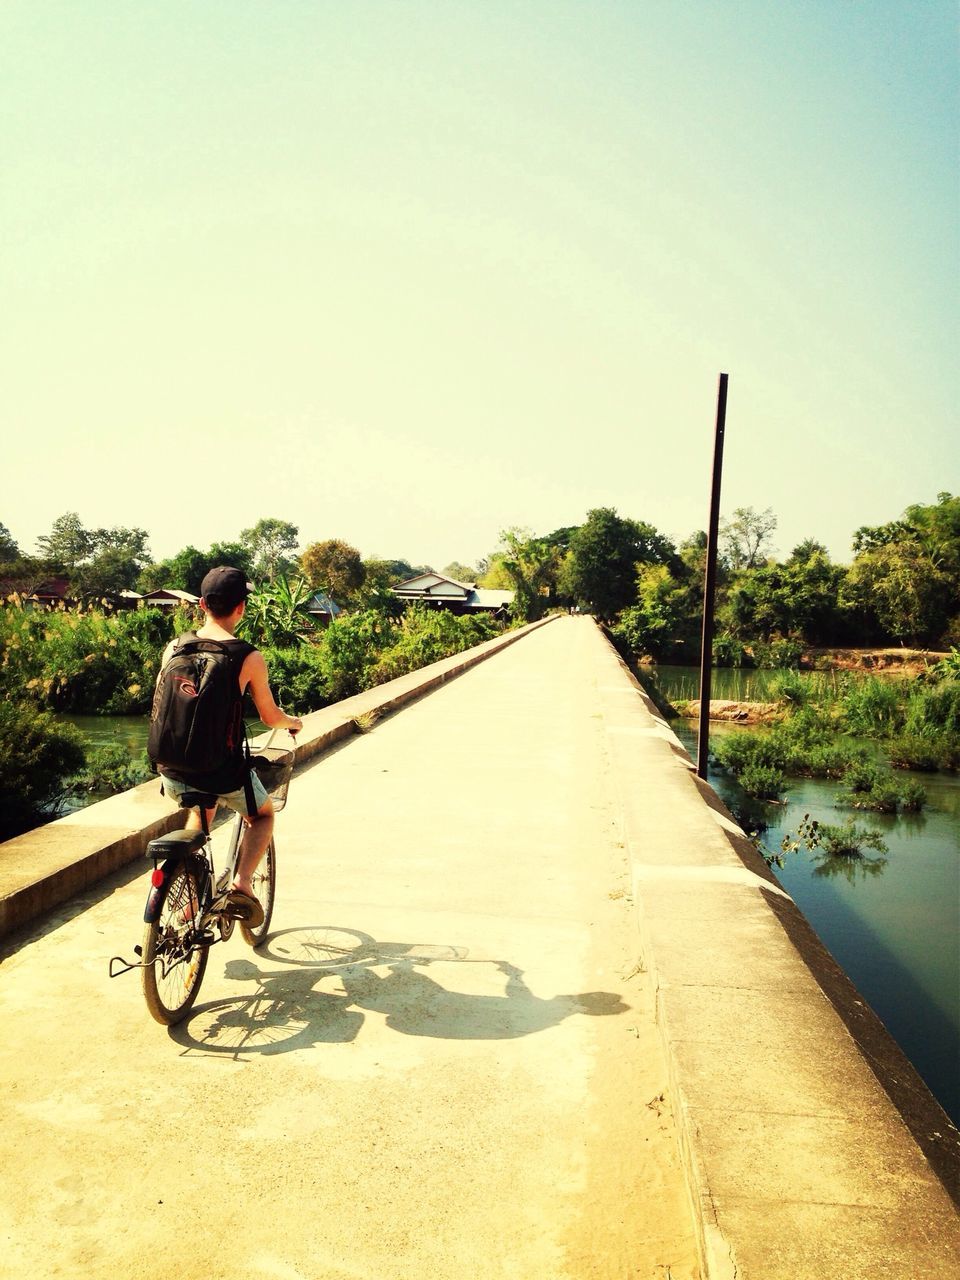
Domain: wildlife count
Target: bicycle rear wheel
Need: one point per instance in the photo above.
(173, 963)
(264, 886)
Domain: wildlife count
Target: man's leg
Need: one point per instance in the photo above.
(253, 845)
(193, 822)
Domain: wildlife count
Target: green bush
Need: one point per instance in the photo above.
(925, 751)
(873, 706)
(812, 747)
(762, 781)
(751, 749)
(781, 652)
(913, 796)
(729, 652)
(806, 744)
(109, 770)
(848, 840)
(934, 707)
(790, 686)
(85, 661)
(426, 636)
(37, 754)
(297, 677)
(873, 786)
(350, 649)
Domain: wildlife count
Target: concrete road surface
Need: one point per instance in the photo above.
(443, 1065)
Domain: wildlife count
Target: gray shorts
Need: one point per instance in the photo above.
(235, 800)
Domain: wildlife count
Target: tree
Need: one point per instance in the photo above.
(460, 572)
(798, 599)
(935, 528)
(187, 569)
(375, 594)
(67, 544)
(806, 550)
(97, 560)
(401, 570)
(745, 538)
(335, 567)
(234, 554)
(665, 622)
(905, 579)
(938, 531)
(903, 590)
(269, 544)
(8, 547)
(601, 567)
(530, 565)
(495, 577)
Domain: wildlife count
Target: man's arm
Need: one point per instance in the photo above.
(165, 658)
(253, 676)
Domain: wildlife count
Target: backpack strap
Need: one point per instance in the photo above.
(247, 777)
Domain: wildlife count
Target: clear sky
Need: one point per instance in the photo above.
(407, 273)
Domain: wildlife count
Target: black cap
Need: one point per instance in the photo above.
(224, 588)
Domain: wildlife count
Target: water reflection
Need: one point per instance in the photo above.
(851, 866)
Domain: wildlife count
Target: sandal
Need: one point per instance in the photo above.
(245, 907)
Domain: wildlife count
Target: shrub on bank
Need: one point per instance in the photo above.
(847, 840)
(84, 661)
(790, 687)
(805, 745)
(778, 653)
(870, 785)
(297, 676)
(109, 770)
(873, 706)
(427, 635)
(925, 752)
(764, 782)
(36, 753)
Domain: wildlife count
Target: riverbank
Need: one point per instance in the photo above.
(907, 662)
(733, 712)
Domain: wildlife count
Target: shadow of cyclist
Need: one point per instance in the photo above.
(415, 1004)
(324, 1001)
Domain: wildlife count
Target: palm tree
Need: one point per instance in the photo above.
(277, 613)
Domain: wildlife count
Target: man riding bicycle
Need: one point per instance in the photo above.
(224, 593)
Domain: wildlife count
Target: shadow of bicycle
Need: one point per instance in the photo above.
(315, 985)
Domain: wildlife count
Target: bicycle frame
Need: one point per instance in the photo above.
(209, 919)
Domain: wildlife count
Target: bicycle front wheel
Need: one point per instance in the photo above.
(173, 961)
(264, 886)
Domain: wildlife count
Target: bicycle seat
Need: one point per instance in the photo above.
(176, 842)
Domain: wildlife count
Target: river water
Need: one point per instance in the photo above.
(892, 920)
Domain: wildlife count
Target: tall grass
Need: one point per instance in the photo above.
(84, 661)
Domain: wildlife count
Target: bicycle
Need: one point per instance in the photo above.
(187, 911)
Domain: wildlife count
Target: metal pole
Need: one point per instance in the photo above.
(710, 584)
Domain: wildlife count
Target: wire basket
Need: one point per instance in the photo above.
(274, 766)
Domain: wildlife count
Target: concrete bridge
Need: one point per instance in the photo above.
(532, 1007)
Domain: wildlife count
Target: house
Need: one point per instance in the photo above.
(438, 592)
(322, 609)
(161, 598)
(52, 591)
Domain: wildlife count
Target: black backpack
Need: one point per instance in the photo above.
(196, 724)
